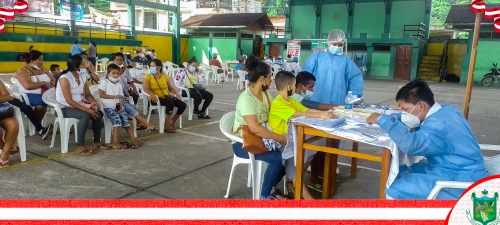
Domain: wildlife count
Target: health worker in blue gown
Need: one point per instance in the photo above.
(441, 134)
(335, 72)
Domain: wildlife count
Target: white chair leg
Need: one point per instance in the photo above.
(54, 132)
(191, 108)
(230, 177)
(64, 137)
(161, 115)
(249, 179)
(134, 126)
(21, 140)
(180, 121)
(76, 131)
(107, 130)
(144, 105)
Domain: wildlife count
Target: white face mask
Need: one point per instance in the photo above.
(83, 70)
(410, 120)
(121, 66)
(35, 67)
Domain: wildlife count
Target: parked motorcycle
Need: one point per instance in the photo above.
(489, 78)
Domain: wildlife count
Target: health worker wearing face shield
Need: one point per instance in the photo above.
(335, 72)
(441, 134)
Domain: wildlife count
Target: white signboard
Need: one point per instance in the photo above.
(293, 49)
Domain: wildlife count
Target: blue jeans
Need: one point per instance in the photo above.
(274, 172)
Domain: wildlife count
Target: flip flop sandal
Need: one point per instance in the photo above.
(126, 144)
(4, 164)
(15, 151)
(142, 128)
(275, 194)
(173, 127)
(152, 130)
(86, 152)
(316, 187)
(136, 146)
(169, 131)
(101, 147)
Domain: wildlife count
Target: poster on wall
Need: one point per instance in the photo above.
(41, 6)
(293, 49)
(71, 11)
(111, 20)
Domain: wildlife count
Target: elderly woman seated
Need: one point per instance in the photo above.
(191, 79)
(8, 124)
(72, 93)
(33, 80)
(157, 83)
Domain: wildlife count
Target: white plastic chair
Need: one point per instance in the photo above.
(101, 64)
(492, 165)
(65, 124)
(161, 112)
(256, 168)
(215, 75)
(185, 64)
(241, 79)
(276, 69)
(144, 98)
(21, 139)
(25, 99)
(228, 70)
(189, 101)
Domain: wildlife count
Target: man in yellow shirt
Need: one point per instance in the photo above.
(283, 108)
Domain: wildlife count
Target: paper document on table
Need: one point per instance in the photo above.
(324, 123)
(368, 132)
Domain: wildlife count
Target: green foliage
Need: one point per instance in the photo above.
(440, 9)
(463, 35)
(273, 7)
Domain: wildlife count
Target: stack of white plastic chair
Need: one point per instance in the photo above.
(64, 124)
(216, 76)
(101, 64)
(108, 126)
(492, 166)
(241, 79)
(256, 168)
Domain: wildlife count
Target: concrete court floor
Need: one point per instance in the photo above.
(194, 163)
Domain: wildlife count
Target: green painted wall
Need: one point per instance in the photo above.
(369, 18)
(302, 19)
(486, 50)
(381, 64)
(401, 16)
(225, 47)
(247, 47)
(199, 48)
(333, 16)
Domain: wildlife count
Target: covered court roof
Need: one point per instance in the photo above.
(250, 21)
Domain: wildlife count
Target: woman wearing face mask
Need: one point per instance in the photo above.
(190, 78)
(88, 70)
(72, 93)
(252, 109)
(33, 80)
(157, 83)
(335, 72)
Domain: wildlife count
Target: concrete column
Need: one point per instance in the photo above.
(414, 62)
(131, 18)
(238, 42)
(176, 42)
(72, 25)
(369, 55)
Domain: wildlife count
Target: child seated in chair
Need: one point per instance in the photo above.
(284, 108)
(111, 93)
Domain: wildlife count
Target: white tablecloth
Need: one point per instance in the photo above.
(398, 157)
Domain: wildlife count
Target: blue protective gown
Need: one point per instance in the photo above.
(335, 76)
(449, 145)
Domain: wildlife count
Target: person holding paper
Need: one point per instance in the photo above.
(441, 134)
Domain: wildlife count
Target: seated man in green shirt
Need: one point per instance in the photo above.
(283, 108)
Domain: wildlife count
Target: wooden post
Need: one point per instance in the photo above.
(472, 64)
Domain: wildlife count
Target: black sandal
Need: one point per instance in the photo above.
(203, 116)
(144, 127)
(274, 195)
(126, 144)
(152, 130)
(86, 152)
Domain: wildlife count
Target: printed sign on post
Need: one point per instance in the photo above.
(293, 49)
(71, 11)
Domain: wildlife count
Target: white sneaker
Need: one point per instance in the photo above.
(338, 170)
